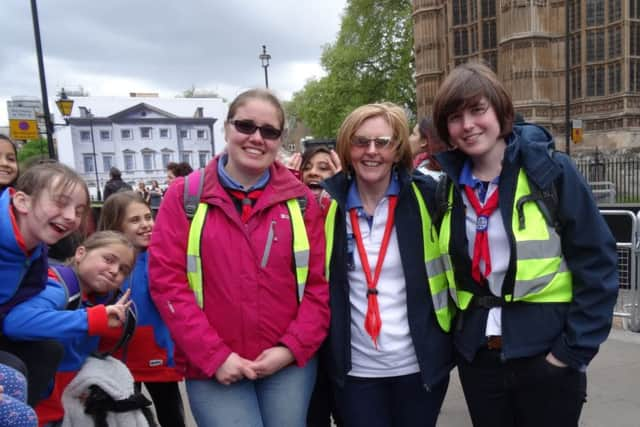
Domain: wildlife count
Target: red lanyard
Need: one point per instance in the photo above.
(373, 323)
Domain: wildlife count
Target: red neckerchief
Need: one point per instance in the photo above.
(481, 244)
(247, 201)
(372, 321)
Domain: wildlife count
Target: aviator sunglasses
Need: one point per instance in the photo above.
(248, 127)
(364, 142)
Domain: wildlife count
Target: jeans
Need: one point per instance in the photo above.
(275, 401)
(390, 402)
(524, 392)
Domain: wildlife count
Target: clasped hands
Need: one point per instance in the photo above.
(267, 363)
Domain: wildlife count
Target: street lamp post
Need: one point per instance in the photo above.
(265, 57)
(43, 82)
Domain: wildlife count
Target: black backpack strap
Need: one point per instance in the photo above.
(547, 200)
(193, 184)
(302, 201)
(442, 198)
(128, 329)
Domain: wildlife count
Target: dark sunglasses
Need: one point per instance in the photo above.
(249, 127)
(364, 142)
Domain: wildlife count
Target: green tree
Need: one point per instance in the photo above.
(371, 61)
(32, 150)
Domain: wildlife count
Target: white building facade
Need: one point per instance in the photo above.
(139, 136)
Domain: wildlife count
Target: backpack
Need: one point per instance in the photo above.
(70, 284)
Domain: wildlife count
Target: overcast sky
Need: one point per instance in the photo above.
(114, 47)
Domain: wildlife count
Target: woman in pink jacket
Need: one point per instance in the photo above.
(246, 328)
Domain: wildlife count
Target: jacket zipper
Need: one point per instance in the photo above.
(267, 246)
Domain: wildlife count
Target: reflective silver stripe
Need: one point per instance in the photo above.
(192, 264)
(446, 262)
(302, 259)
(441, 299)
(527, 287)
(267, 247)
(435, 267)
(539, 249)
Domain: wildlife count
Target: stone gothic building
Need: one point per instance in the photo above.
(524, 42)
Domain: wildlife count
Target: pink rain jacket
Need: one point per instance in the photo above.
(249, 287)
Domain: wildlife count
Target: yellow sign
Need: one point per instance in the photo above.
(576, 135)
(23, 130)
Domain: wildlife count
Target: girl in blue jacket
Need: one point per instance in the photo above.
(49, 202)
(99, 266)
(534, 264)
(151, 350)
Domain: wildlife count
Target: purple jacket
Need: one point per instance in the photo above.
(248, 307)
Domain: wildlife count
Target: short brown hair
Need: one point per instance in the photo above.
(114, 209)
(393, 114)
(463, 87)
(43, 176)
(263, 94)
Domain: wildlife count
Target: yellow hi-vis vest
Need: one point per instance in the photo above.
(433, 262)
(300, 249)
(542, 274)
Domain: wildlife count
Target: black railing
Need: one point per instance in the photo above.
(622, 176)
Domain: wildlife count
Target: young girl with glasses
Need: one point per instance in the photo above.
(534, 263)
(248, 304)
(99, 266)
(150, 353)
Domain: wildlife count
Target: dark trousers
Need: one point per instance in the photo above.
(167, 402)
(390, 402)
(323, 403)
(525, 392)
(41, 359)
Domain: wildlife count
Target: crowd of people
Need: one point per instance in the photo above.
(341, 287)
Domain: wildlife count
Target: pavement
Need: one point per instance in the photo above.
(613, 388)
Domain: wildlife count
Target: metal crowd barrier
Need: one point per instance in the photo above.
(624, 225)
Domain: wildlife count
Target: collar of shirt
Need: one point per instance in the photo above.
(353, 197)
(467, 178)
(228, 182)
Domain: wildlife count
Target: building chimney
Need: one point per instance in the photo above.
(199, 113)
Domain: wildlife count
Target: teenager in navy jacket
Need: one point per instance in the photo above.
(542, 285)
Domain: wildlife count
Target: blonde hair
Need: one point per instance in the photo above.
(100, 239)
(393, 115)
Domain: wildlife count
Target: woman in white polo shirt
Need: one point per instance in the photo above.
(387, 354)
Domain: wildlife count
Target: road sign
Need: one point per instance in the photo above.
(21, 113)
(23, 130)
